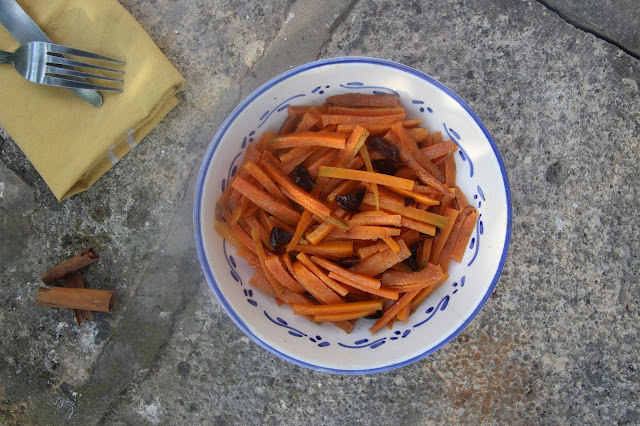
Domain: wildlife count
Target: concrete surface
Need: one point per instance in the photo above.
(558, 340)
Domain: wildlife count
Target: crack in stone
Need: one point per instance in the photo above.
(592, 31)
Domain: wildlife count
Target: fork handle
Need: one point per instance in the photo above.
(5, 57)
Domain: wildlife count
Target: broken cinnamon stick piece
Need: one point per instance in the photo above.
(75, 281)
(75, 298)
(72, 265)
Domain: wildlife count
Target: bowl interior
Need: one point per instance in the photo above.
(480, 174)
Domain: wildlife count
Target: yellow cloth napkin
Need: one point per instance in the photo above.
(70, 142)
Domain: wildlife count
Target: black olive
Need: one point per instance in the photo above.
(408, 201)
(387, 167)
(279, 237)
(347, 262)
(351, 202)
(412, 261)
(377, 315)
(389, 151)
(302, 178)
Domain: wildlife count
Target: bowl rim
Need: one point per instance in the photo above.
(202, 174)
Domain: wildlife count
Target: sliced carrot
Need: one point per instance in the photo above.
(309, 119)
(359, 119)
(242, 236)
(400, 279)
(293, 298)
(252, 222)
(343, 316)
(426, 292)
(364, 100)
(445, 254)
(344, 188)
(261, 177)
(227, 233)
(362, 232)
(367, 281)
(324, 229)
(369, 112)
(308, 138)
(367, 251)
(262, 141)
(419, 134)
(450, 172)
(297, 194)
(362, 176)
(423, 258)
(461, 199)
(410, 212)
(280, 224)
(417, 196)
(376, 128)
(294, 157)
(260, 198)
(250, 210)
(408, 149)
(382, 292)
(323, 160)
(380, 262)
(237, 212)
(243, 252)
(288, 126)
(332, 284)
(333, 248)
(259, 280)
(440, 240)
(274, 265)
(373, 305)
(315, 286)
(416, 225)
(466, 229)
(304, 223)
(393, 310)
(436, 137)
(438, 150)
(378, 219)
(392, 244)
(263, 217)
(277, 287)
(364, 153)
(403, 315)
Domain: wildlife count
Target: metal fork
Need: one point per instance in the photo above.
(43, 63)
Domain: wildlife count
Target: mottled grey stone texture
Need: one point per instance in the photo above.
(558, 340)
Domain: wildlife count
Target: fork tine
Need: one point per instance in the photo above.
(57, 60)
(73, 84)
(64, 50)
(73, 73)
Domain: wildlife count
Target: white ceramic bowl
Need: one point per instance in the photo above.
(481, 175)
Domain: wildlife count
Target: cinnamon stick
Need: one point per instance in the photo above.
(75, 281)
(75, 298)
(72, 265)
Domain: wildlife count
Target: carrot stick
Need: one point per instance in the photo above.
(364, 153)
(274, 207)
(277, 287)
(294, 157)
(333, 248)
(382, 292)
(461, 199)
(324, 229)
(364, 100)
(369, 112)
(403, 315)
(361, 232)
(423, 259)
(374, 305)
(343, 316)
(438, 150)
(381, 219)
(362, 176)
(359, 119)
(450, 171)
(344, 188)
(464, 235)
(364, 280)
(375, 128)
(445, 254)
(237, 212)
(255, 223)
(367, 251)
(288, 126)
(249, 256)
(440, 240)
(418, 197)
(410, 212)
(259, 280)
(392, 244)
(425, 292)
(428, 176)
(397, 278)
(279, 273)
(304, 223)
(309, 119)
(308, 138)
(419, 226)
(261, 177)
(323, 160)
(418, 134)
(315, 286)
(332, 284)
(393, 310)
(380, 262)
(297, 194)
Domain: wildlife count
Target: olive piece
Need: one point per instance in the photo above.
(389, 151)
(412, 261)
(387, 167)
(279, 237)
(351, 202)
(347, 262)
(302, 178)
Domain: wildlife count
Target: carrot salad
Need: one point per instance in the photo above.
(350, 213)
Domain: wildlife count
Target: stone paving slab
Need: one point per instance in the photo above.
(557, 342)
